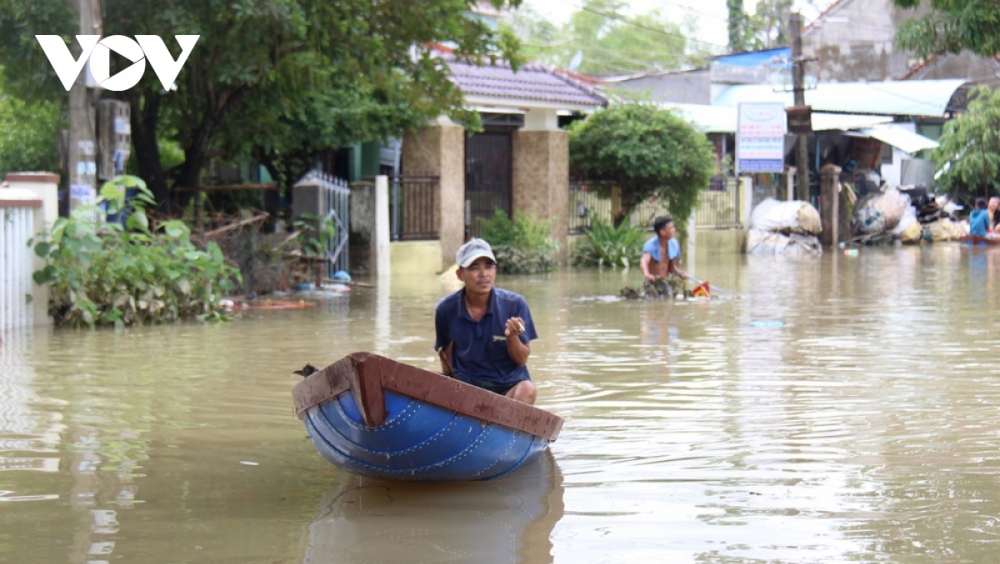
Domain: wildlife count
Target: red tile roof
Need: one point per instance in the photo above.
(532, 82)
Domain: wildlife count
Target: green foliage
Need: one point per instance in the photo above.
(970, 147)
(315, 231)
(101, 273)
(648, 152)
(951, 26)
(27, 133)
(282, 77)
(599, 38)
(766, 28)
(521, 246)
(607, 245)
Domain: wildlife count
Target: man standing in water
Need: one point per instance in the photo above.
(660, 256)
(483, 332)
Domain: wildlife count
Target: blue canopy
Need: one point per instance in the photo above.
(778, 57)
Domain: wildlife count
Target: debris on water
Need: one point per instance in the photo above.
(307, 370)
(249, 463)
(673, 286)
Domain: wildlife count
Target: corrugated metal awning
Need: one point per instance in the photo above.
(902, 139)
(891, 98)
(722, 119)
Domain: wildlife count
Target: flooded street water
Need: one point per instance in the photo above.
(843, 409)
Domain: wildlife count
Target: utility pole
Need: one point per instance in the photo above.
(81, 152)
(799, 93)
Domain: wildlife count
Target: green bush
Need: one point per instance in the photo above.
(606, 245)
(28, 131)
(101, 273)
(522, 246)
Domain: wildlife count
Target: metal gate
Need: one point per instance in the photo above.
(335, 198)
(487, 178)
(15, 265)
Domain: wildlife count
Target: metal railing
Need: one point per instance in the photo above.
(413, 201)
(15, 264)
(335, 205)
(585, 205)
(717, 208)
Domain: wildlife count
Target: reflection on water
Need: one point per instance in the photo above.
(505, 520)
(843, 409)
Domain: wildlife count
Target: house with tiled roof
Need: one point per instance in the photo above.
(855, 40)
(518, 163)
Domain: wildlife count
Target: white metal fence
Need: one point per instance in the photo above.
(335, 206)
(15, 263)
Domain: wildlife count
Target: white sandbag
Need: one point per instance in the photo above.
(913, 233)
(795, 216)
(880, 212)
(761, 242)
(908, 219)
(945, 230)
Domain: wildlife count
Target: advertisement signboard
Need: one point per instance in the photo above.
(760, 137)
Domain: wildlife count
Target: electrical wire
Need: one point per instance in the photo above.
(627, 21)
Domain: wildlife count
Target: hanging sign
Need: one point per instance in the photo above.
(760, 137)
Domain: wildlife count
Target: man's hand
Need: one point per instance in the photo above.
(514, 327)
(445, 355)
(517, 350)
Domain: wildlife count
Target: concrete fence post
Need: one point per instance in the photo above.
(746, 200)
(381, 236)
(829, 201)
(790, 184)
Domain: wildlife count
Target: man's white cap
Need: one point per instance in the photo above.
(473, 249)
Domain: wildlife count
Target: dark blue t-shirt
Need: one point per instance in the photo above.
(480, 353)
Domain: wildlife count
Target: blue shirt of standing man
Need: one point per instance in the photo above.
(652, 264)
(483, 332)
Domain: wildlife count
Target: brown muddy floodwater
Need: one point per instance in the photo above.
(845, 409)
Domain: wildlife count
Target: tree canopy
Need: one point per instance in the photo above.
(599, 38)
(951, 26)
(767, 27)
(277, 78)
(28, 130)
(970, 147)
(647, 151)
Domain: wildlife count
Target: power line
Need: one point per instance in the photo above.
(626, 21)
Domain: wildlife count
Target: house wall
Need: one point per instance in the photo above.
(541, 178)
(686, 88)
(855, 40)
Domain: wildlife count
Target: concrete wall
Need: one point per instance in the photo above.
(692, 87)
(416, 257)
(541, 178)
(856, 41)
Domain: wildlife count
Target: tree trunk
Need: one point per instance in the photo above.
(145, 114)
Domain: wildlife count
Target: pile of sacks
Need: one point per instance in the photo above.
(784, 228)
(891, 214)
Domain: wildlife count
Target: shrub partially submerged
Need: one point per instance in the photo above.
(606, 245)
(101, 273)
(522, 246)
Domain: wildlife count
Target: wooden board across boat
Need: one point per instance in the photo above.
(370, 415)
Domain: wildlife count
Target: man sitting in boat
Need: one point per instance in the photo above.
(483, 332)
(979, 220)
(660, 256)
